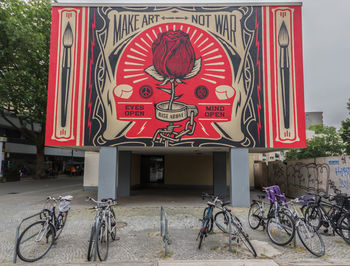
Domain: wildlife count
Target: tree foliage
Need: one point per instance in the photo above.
(345, 134)
(345, 131)
(326, 142)
(24, 62)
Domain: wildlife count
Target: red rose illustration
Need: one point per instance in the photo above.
(173, 54)
(173, 61)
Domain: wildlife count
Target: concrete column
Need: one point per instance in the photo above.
(219, 173)
(124, 173)
(91, 168)
(107, 173)
(1, 158)
(239, 187)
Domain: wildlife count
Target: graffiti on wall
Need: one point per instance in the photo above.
(176, 76)
(311, 175)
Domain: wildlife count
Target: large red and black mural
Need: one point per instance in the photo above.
(176, 76)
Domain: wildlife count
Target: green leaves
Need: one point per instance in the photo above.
(326, 142)
(345, 134)
(24, 58)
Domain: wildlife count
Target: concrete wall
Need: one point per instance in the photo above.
(91, 165)
(188, 170)
(298, 177)
(260, 175)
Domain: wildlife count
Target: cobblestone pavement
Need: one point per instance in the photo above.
(138, 223)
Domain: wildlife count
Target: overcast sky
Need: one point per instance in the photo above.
(326, 40)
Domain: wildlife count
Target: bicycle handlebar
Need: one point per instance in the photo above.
(60, 198)
(108, 201)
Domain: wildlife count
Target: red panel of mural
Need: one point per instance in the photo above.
(176, 76)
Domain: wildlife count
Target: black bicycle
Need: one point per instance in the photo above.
(222, 220)
(37, 239)
(336, 216)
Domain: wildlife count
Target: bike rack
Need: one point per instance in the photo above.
(229, 233)
(17, 234)
(164, 229)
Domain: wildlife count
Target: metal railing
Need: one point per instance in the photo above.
(17, 233)
(164, 233)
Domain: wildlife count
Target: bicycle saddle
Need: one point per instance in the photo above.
(260, 196)
(225, 203)
(108, 199)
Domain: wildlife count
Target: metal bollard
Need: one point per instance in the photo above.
(230, 232)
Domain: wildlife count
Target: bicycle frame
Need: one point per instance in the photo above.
(103, 214)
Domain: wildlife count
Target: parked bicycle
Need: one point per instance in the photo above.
(207, 220)
(37, 239)
(222, 221)
(105, 225)
(308, 235)
(324, 213)
(279, 224)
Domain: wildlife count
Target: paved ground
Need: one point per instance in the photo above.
(140, 241)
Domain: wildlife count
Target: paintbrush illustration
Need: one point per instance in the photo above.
(283, 41)
(66, 68)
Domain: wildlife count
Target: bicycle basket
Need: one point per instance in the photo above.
(342, 200)
(64, 206)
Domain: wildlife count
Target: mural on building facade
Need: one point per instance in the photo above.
(176, 76)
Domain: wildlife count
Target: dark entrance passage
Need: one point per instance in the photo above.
(152, 170)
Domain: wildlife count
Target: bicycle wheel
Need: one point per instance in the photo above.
(61, 221)
(281, 229)
(254, 215)
(310, 238)
(313, 216)
(243, 236)
(91, 243)
(210, 224)
(113, 225)
(203, 232)
(221, 220)
(102, 243)
(344, 227)
(35, 241)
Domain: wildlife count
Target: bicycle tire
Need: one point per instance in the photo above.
(201, 236)
(221, 220)
(313, 216)
(113, 225)
(244, 237)
(344, 227)
(307, 232)
(286, 225)
(33, 247)
(254, 212)
(203, 232)
(61, 221)
(91, 242)
(211, 220)
(102, 241)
